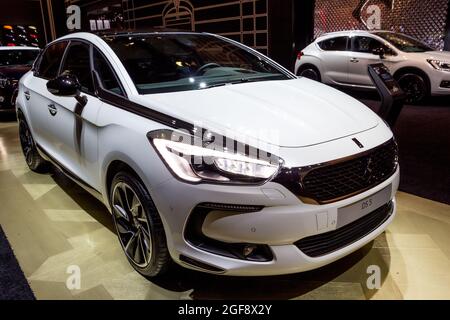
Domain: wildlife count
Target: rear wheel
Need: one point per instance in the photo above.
(32, 157)
(138, 225)
(309, 72)
(415, 87)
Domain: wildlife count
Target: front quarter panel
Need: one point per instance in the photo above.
(123, 137)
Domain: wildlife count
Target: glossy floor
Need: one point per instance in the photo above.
(52, 225)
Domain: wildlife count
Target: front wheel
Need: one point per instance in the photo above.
(415, 87)
(139, 226)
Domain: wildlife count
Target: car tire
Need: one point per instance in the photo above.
(32, 157)
(138, 225)
(415, 86)
(310, 72)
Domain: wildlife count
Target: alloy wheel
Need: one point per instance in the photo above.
(414, 87)
(132, 225)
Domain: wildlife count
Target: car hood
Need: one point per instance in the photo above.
(14, 72)
(285, 113)
(434, 55)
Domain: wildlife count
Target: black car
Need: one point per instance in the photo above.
(14, 63)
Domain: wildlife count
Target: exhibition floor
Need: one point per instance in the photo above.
(52, 224)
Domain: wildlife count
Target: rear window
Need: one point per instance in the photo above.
(334, 44)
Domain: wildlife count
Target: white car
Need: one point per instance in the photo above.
(208, 153)
(342, 58)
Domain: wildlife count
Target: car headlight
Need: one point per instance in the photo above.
(193, 160)
(440, 65)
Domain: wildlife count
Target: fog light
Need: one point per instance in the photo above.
(248, 250)
(445, 84)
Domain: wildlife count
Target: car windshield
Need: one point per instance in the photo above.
(169, 62)
(404, 42)
(16, 57)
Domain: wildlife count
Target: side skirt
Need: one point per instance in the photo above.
(94, 192)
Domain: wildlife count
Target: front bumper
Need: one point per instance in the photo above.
(283, 221)
(439, 81)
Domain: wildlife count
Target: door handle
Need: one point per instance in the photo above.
(52, 109)
(27, 95)
(354, 60)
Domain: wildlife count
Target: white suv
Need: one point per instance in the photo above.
(208, 153)
(342, 58)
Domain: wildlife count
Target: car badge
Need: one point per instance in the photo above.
(369, 169)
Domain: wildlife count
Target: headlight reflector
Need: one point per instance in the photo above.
(197, 162)
(440, 65)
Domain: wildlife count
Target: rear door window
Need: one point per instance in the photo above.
(334, 44)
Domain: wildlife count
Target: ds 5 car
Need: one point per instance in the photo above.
(341, 58)
(208, 153)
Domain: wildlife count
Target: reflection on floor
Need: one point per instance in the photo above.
(52, 224)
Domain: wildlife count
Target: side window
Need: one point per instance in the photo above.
(50, 60)
(106, 74)
(334, 44)
(367, 45)
(77, 62)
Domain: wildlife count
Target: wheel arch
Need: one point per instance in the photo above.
(114, 167)
(306, 65)
(415, 70)
(20, 113)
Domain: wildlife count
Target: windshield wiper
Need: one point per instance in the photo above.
(242, 80)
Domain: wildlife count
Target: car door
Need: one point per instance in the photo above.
(38, 99)
(361, 56)
(108, 80)
(334, 59)
(76, 130)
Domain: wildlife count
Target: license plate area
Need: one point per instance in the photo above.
(356, 210)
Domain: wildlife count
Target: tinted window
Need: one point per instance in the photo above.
(16, 57)
(107, 76)
(334, 44)
(77, 62)
(367, 45)
(50, 60)
(175, 62)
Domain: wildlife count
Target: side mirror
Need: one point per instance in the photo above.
(65, 85)
(379, 52)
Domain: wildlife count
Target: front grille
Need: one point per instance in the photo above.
(325, 243)
(342, 178)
